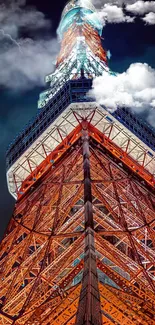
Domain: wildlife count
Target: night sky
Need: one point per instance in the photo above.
(128, 43)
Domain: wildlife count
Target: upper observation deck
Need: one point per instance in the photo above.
(41, 135)
(73, 91)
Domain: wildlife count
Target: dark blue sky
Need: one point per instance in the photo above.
(128, 43)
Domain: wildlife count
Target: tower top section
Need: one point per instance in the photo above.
(81, 58)
(81, 54)
(79, 12)
(74, 4)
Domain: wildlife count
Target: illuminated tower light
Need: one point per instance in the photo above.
(79, 248)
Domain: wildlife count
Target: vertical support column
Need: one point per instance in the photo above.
(89, 309)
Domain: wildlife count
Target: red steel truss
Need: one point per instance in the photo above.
(79, 248)
(69, 141)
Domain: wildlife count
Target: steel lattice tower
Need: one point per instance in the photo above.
(79, 248)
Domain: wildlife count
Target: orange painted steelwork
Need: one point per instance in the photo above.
(80, 246)
(41, 255)
(91, 37)
(103, 140)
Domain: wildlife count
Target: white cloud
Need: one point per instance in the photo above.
(16, 15)
(153, 103)
(100, 3)
(141, 7)
(150, 18)
(134, 88)
(24, 62)
(27, 68)
(114, 14)
(111, 11)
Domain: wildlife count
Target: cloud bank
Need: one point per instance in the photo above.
(114, 14)
(115, 11)
(27, 67)
(99, 3)
(15, 15)
(134, 88)
(140, 7)
(149, 18)
(24, 61)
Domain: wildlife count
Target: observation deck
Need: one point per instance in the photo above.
(73, 94)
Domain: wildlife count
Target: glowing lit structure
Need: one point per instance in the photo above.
(79, 248)
(81, 49)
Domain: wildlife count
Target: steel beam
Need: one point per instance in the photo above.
(89, 308)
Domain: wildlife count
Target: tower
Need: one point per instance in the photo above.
(79, 248)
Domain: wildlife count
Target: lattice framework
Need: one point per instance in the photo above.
(42, 251)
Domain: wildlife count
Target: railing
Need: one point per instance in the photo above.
(72, 91)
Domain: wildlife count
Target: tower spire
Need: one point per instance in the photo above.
(79, 32)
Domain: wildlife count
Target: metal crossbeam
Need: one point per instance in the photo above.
(70, 212)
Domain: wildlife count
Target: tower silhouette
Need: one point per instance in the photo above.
(79, 248)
